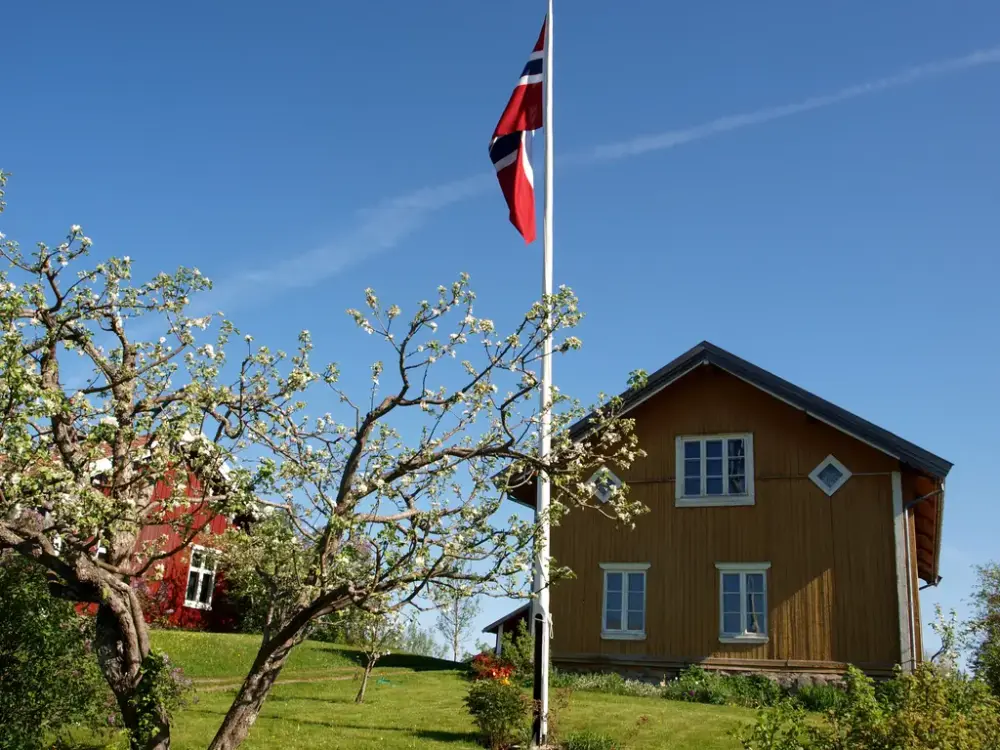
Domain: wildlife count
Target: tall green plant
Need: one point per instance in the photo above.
(48, 679)
(984, 627)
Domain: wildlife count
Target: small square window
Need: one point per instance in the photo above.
(830, 475)
(604, 484)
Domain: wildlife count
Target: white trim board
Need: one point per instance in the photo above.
(902, 585)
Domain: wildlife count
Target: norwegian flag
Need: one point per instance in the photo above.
(509, 145)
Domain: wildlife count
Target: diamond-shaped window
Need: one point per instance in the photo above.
(830, 475)
(603, 484)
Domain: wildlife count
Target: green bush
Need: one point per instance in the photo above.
(590, 741)
(753, 690)
(698, 685)
(502, 712)
(984, 628)
(927, 710)
(49, 680)
(819, 697)
(604, 682)
(517, 649)
(779, 727)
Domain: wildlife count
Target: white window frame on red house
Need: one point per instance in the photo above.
(206, 555)
(683, 498)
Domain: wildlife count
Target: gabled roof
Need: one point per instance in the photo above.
(706, 353)
(519, 613)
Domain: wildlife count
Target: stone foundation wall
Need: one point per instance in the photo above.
(789, 680)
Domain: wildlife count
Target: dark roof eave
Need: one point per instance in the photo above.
(492, 627)
(861, 429)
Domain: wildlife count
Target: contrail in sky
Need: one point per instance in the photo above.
(386, 224)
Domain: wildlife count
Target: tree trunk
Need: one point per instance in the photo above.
(456, 634)
(364, 681)
(245, 709)
(122, 644)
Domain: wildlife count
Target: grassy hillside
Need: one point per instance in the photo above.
(413, 702)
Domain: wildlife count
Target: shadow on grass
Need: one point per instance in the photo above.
(408, 661)
(422, 734)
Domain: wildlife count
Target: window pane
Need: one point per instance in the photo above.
(207, 584)
(731, 583)
(731, 603)
(635, 621)
(614, 600)
(736, 447)
(692, 449)
(737, 466)
(613, 619)
(731, 623)
(755, 582)
(692, 467)
(755, 623)
(635, 602)
(713, 486)
(756, 603)
(636, 582)
(613, 581)
(192, 589)
(196, 558)
(713, 467)
(692, 486)
(737, 485)
(713, 448)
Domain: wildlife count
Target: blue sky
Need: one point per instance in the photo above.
(300, 152)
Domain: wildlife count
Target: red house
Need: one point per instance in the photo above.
(185, 589)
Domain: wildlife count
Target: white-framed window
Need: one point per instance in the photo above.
(623, 615)
(743, 602)
(603, 484)
(714, 470)
(830, 475)
(201, 578)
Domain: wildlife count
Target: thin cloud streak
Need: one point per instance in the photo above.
(672, 138)
(384, 226)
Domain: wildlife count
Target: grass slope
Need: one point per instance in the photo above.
(417, 703)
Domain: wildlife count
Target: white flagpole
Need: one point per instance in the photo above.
(542, 616)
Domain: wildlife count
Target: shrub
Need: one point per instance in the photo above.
(601, 682)
(926, 710)
(778, 727)
(753, 690)
(590, 741)
(488, 667)
(984, 628)
(698, 685)
(49, 680)
(819, 697)
(517, 649)
(501, 712)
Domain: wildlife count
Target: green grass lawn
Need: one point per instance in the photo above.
(417, 703)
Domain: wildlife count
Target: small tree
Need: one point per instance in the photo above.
(400, 491)
(378, 633)
(984, 627)
(457, 612)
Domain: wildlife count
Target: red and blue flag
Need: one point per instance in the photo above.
(509, 149)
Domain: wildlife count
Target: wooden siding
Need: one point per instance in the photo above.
(831, 585)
